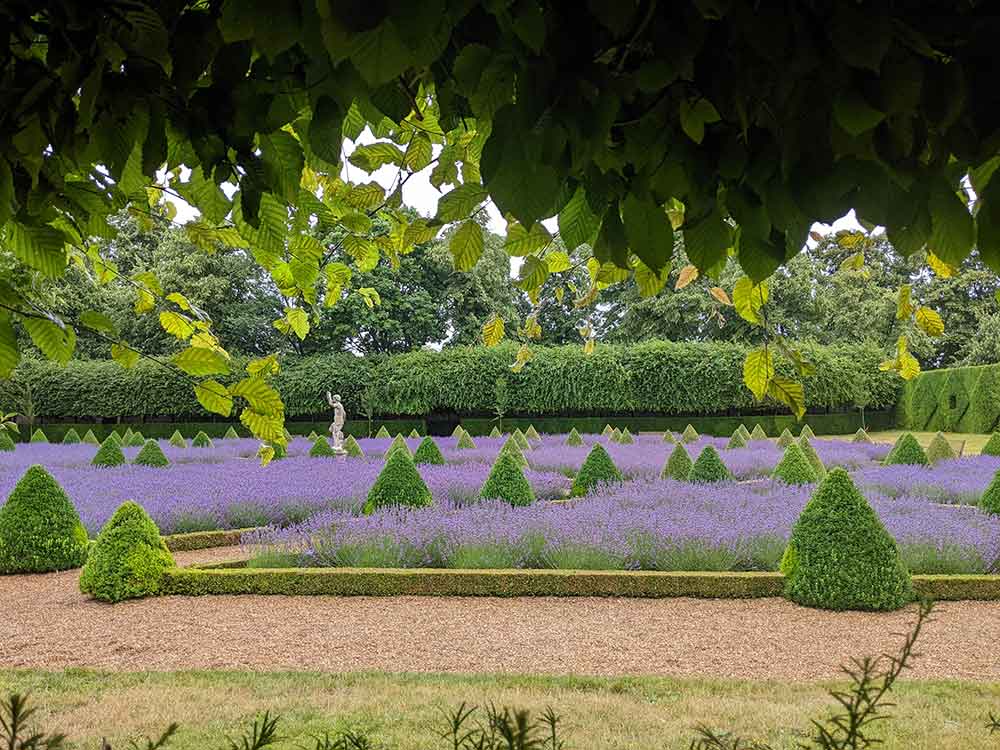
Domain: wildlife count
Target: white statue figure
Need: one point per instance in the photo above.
(339, 416)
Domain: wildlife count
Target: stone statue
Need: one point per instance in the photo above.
(339, 416)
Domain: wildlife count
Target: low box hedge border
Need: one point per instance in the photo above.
(228, 578)
(204, 539)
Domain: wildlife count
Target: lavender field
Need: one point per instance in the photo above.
(310, 507)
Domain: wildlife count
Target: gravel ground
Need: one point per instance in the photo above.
(46, 623)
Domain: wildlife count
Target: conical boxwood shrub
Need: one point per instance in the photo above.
(116, 438)
(506, 482)
(40, 530)
(382, 432)
(668, 437)
(531, 433)
(311, 437)
(626, 437)
(708, 467)
(690, 434)
(465, 441)
(990, 501)
(794, 467)
(521, 440)
(758, 433)
(109, 454)
(906, 451)
(151, 455)
(840, 556)
(231, 433)
(177, 440)
(90, 438)
(321, 449)
(127, 435)
(606, 432)
(457, 432)
(128, 559)
(428, 452)
(597, 467)
(678, 465)
(813, 457)
(201, 440)
(39, 437)
(414, 434)
(786, 438)
(72, 437)
(744, 432)
(398, 444)
(495, 432)
(352, 447)
(6, 441)
(736, 440)
(135, 440)
(573, 438)
(939, 449)
(861, 437)
(992, 447)
(615, 436)
(807, 432)
(399, 483)
(510, 446)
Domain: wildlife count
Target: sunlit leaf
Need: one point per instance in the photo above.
(493, 330)
(929, 321)
(788, 392)
(749, 299)
(214, 397)
(198, 360)
(124, 355)
(904, 308)
(176, 325)
(758, 371)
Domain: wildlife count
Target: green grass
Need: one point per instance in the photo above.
(404, 711)
(973, 443)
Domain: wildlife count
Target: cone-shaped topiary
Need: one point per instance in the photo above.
(794, 467)
(626, 437)
(813, 457)
(231, 433)
(990, 501)
(939, 449)
(414, 434)
(109, 454)
(39, 437)
(399, 483)
(311, 437)
(708, 467)
(840, 556)
(457, 432)
(606, 432)
(117, 438)
(398, 444)
(135, 440)
(521, 440)
(510, 446)
(465, 441)
(321, 449)
(597, 468)
(690, 434)
(352, 448)
(678, 465)
(506, 482)
(382, 432)
(177, 440)
(428, 452)
(786, 438)
(744, 432)
(992, 447)
(90, 437)
(736, 440)
(40, 530)
(128, 559)
(6, 441)
(531, 433)
(758, 433)
(72, 437)
(906, 451)
(573, 438)
(668, 437)
(151, 455)
(615, 436)
(495, 433)
(861, 437)
(201, 440)
(127, 435)
(807, 432)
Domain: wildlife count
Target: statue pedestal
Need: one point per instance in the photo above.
(339, 452)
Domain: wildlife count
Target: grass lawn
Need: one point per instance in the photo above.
(973, 443)
(404, 711)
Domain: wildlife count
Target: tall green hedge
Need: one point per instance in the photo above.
(960, 399)
(665, 378)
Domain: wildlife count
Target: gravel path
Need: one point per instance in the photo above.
(46, 623)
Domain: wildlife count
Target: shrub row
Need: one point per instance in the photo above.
(960, 399)
(204, 539)
(435, 582)
(658, 378)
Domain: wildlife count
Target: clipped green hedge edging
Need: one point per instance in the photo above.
(204, 539)
(959, 399)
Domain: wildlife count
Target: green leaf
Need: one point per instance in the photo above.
(419, 152)
(325, 135)
(296, 320)
(214, 397)
(466, 245)
(695, 115)
(521, 242)
(367, 196)
(459, 203)
(375, 155)
(10, 356)
(929, 321)
(176, 325)
(196, 360)
(55, 342)
(495, 88)
(283, 160)
(124, 355)
(953, 232)
(904, 308)
(206, 196)
(650, 282)
(788, 392)
(749, 298)
(363, 252)
(493, 330)
(988, 226)
(97, 321)
(854, 114)
(338, 275)
(578, 225)
(648, 230)
(558, 261)
(42, 248)
(264, 366)
(380, 54)
(260, 394)
(534, 272)
(758, 371)
(370, 296)
(267, 427)
(707, 241)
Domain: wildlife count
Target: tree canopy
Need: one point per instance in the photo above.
(733, 125)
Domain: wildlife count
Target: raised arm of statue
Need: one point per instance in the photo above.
(329, 398)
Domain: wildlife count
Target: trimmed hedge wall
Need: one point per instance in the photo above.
(654, 378)
(960, 399)
(441, 582)
(204, 539)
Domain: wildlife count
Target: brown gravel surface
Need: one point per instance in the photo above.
(46, 623)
